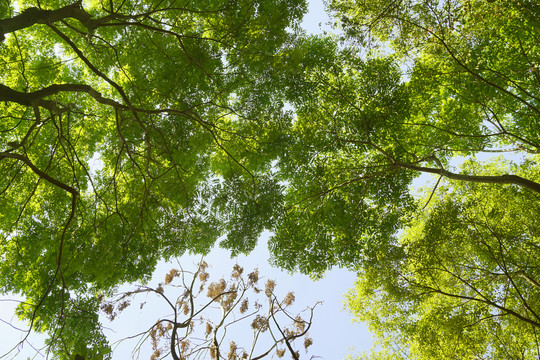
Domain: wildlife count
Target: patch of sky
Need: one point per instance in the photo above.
(16, 342)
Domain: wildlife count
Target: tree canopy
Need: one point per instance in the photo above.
(407, 94)
(463, 280)
(130, 133)
(134, 131)
(459, 277)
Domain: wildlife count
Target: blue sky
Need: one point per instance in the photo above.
(333, 332)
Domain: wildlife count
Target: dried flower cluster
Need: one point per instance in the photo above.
(260, 323)
(237, 271)
(184, 346)
(253, 277)
(108, 309)
(300, 324)
(203, 276)
(289, 299)
(123, 305)
(216, 289)
(227, 301)
(269, 287)
(156, 354)
(232, 351)
(209, 329)
(203, 265)
(245, 305)
(158, 332)
(171, 275)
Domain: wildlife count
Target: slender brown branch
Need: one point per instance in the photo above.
(39, 172)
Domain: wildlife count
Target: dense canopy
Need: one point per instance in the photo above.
(408, 94)
(460, 279)
(463, 280)
(134, 131)
(128, 128)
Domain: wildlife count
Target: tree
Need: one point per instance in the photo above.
(128, 128)
(182, 107)
(415, 86)
(201, 329)
(463, 281)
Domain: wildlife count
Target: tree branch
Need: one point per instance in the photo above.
(37, 97)
(498, 179)
(33, 15)
(39, 172)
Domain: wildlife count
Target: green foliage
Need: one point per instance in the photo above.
(134, 131)
(415, 85)
(462, 281)
(342, 200)
(473, 66)
(117, 117)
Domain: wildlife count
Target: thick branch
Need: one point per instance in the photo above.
(499, 179)
(36, 97)
(27, 99)
(33, 15)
